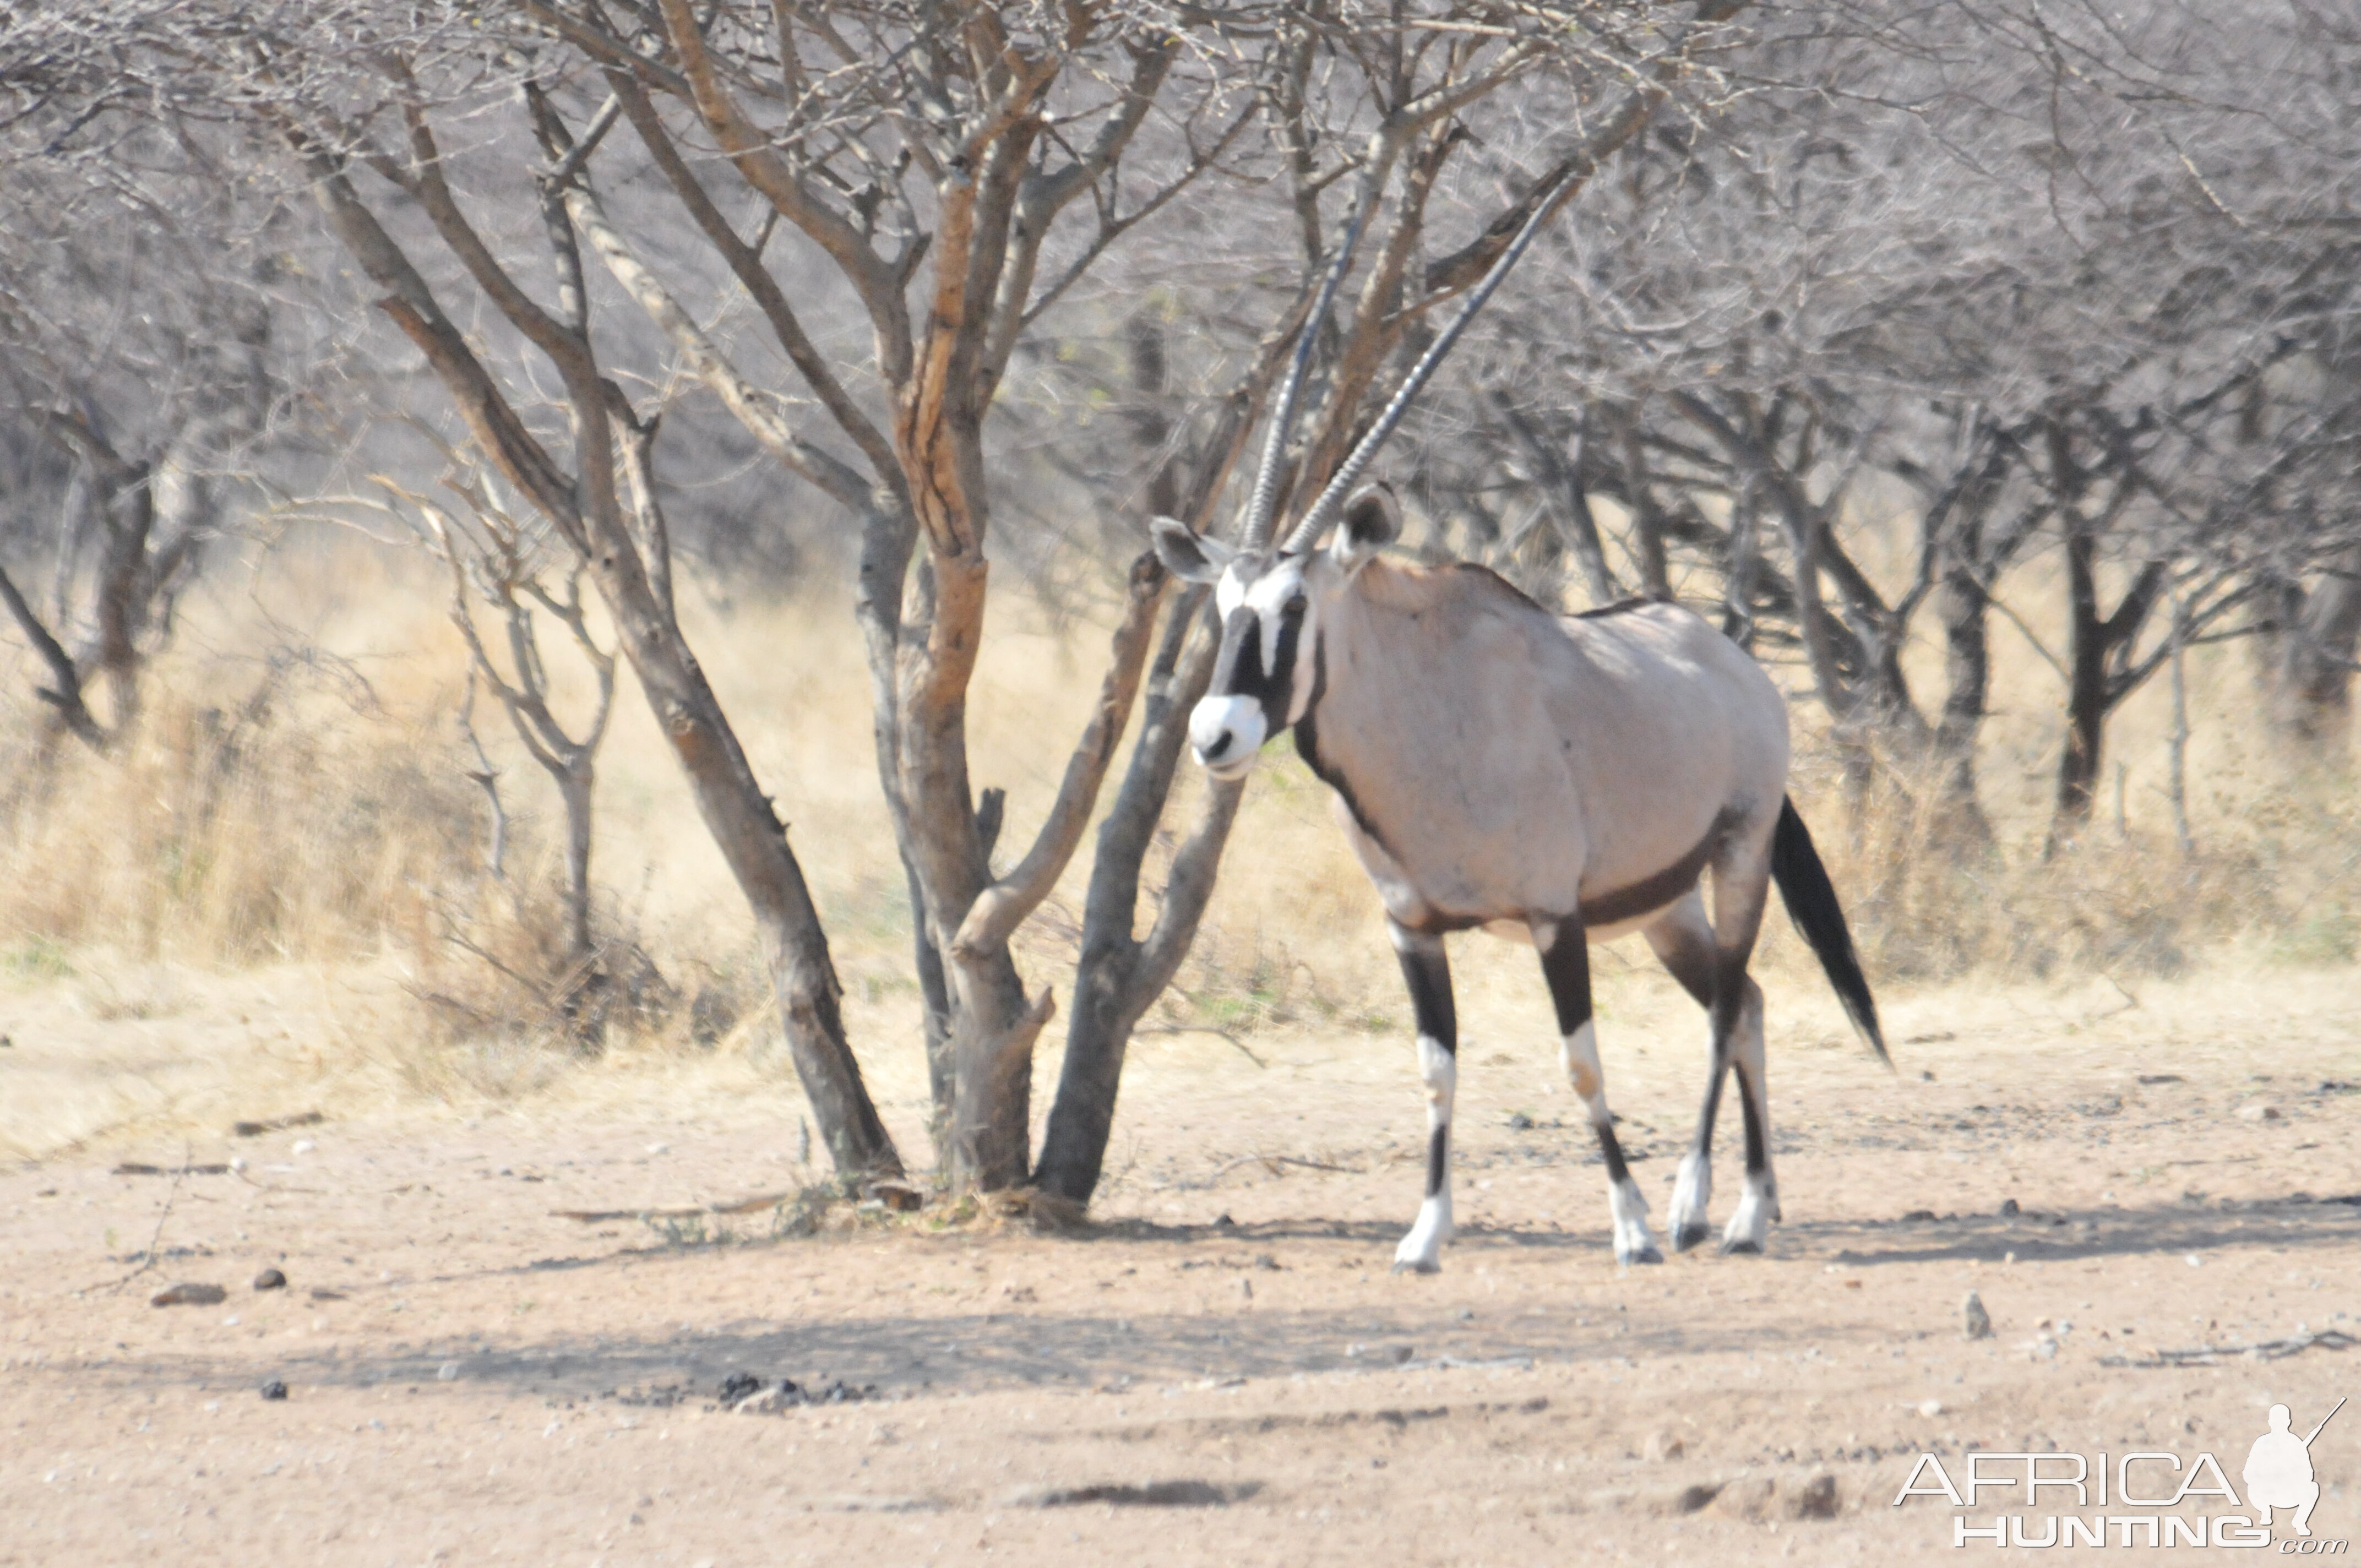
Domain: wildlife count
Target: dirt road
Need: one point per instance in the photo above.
(1223, 1371)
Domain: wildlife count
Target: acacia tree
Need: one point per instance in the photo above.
(140, 382)
(351, 97)
(929, 162)
(1991, 259)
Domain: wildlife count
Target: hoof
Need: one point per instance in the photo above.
(1645, 1255)
(1416, 1265)
(1741, 1249)
(1688, 1236)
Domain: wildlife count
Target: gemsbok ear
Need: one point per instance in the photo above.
(1372, 520)
(1185, 555)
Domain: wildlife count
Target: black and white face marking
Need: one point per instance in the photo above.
(1262, 676)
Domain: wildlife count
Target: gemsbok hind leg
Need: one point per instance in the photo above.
(1565, 961)
(1682, 940)
(1742, 884)
(1428, 974)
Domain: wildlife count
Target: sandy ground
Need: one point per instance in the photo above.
(1224, 1370)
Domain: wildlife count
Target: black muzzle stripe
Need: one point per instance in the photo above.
(1238, 669)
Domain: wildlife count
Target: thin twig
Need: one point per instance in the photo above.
(1204, 1029)
(173, 1193)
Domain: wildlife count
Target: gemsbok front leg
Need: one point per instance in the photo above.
(1565, 961)
(1428, 974)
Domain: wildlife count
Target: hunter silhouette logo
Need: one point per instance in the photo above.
(2279, 1471)
(2141, 1495)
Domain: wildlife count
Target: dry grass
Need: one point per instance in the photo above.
(300, 800)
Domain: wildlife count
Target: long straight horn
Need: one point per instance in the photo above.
(1265, 499)
(1332, 499)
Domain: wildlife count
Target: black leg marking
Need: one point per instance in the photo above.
(1427, 972)
(1565, 963)
(1428, 975)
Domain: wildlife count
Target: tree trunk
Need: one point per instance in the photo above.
(2086, 691)
(1108, 998)
(574, 786)
(2321, 646)
(1964, 607)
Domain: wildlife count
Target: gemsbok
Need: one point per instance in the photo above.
(1561, 780)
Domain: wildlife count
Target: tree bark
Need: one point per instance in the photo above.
(2320, 649)
(2086, 689)
(1109, 998)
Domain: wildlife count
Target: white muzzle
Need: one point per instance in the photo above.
(1225, 732)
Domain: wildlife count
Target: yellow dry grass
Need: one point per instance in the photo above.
(319, 846)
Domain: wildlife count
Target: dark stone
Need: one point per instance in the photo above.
(739, 1386)
(274, 1390)
(270, 1279)
(189, 1295)
(1817, 1499)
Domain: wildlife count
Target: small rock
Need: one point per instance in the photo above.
(1814, 1499)
(1246, 1287)
(1930, 1409)
(1919, 1217)
(274, 1390)
(1518, 1122)
(270, 1279)
(2008, 1208)
(739, 1386)
(2258, 1113)
(1661, 1446)
(1464, 1315)
(320, 1295)
(304, 1146)
(1749, 1498)
(1688, 1499)
(448, 1371)
(2044, 1348)
(1974, 1322)
(190, 1295)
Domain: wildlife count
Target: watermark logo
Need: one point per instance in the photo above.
(2140, 1496)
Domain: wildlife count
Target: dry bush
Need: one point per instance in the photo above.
(304, 820)
(338, 829)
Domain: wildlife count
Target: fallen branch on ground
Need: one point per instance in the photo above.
(2265, 1350)
(607, 1216)
(275, 1125)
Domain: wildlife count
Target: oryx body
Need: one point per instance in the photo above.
(1562, 780)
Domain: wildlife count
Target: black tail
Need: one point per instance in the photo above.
(1812, 904)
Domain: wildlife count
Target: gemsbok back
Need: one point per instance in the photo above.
(1562, 780)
